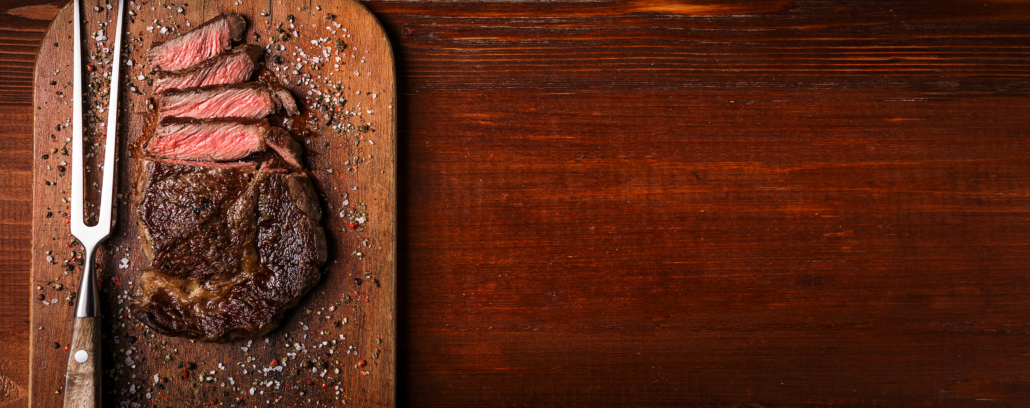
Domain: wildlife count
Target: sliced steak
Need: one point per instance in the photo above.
(207, 40)
(221, 140)
(231, 247)
(228, 67)
(252, 100)
(208, 140)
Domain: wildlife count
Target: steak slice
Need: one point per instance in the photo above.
(207, 40)
(252, 100)
(228, 67)
(231, 247)
(208, 140)
(221, 140)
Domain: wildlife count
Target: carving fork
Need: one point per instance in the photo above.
(82, 380)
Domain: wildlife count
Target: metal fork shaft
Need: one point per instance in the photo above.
(88, 303)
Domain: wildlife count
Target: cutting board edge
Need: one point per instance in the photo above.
(36, 166)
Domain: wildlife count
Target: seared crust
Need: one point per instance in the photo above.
(276, 242)
(288, 149)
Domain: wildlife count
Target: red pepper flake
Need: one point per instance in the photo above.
(352, 225)
(275, 362)
(362, 363)
(363, 372)
(324, 385)
(65, 348)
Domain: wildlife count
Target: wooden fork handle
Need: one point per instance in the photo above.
(82, 382)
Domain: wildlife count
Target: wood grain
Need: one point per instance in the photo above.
(337, 346)
(83, 384)
(807, 203)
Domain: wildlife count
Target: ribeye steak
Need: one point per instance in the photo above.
(231, 248)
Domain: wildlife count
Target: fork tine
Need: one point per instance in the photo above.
(95, 233)
(77, 224)
(111, 146)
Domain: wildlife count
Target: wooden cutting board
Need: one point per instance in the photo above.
(337, 346)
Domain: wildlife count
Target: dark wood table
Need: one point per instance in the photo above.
(661, 203)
